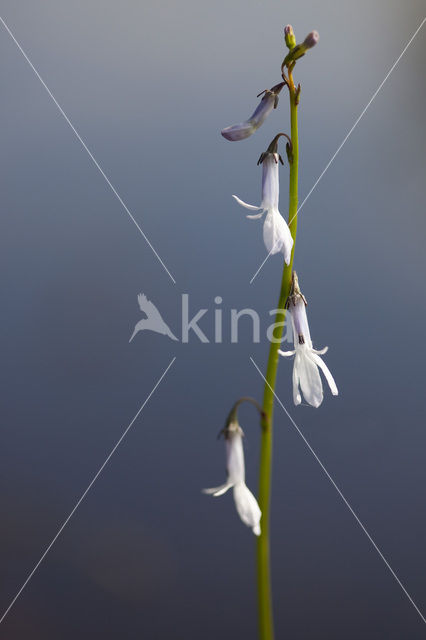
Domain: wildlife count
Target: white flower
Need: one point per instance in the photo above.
(245, 129)
(276, 234)
(306, 377)
(245, 502)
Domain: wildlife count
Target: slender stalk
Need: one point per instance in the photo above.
(266, 623)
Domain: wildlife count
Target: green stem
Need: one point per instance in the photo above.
(266, 623)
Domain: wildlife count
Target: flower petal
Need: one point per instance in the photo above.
(300, 322)
(218, 491)
(320, 352)
(239, 131)
(247, 206)
(327, 373)
(297, 399)
(235, 458)
(286, 354)
(310, 379)
(276, 234)
(263, 109)
(247, 507)
(270, 181)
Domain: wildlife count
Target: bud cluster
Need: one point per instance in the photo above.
(298, 50)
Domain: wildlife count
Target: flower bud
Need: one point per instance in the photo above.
(245, 129)
(290, 38)
(300, 49)
(311, 39)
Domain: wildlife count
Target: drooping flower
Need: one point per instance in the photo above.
(276, 234)
(307, 360)
(245, 502)
(245, 129)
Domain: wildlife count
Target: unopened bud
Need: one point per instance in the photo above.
(311, 39)
(290, 38)
(300, 49)
(248, 127)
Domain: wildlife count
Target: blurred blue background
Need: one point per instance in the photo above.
(149, 86)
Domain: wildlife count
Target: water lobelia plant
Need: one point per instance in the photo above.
(279, 238)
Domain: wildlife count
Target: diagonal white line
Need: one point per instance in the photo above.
(261, 267)
(360, 116)
(327, 166)
(84, 494)
(341, 495)
(90, 154)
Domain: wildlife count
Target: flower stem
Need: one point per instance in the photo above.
(266, 623)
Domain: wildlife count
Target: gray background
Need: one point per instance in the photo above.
(149, 86)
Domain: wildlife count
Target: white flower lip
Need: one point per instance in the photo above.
(307, 360)
(276, 234)
(245, 129)
(245, 502)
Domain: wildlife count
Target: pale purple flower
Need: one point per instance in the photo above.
(276, 234)
(245, 502)
(245, 129)
(307, 360)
